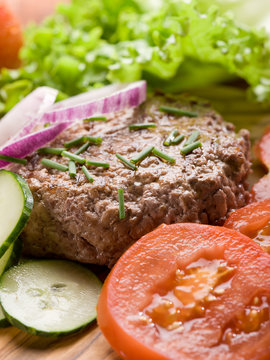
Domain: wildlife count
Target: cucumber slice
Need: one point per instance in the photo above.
(3, 321)
(49, 297)
(16, 203)
(11, 256)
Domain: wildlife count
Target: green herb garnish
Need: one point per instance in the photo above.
(121, 201)
(126, 162)
(163, 156)
(72, 169)
(81, 140)
(192, 138)
(142, 155)
(73, 157)
(177, 140)
(95, 118)
(54, 165)
(87, 174)
(50, 150)
(171, 136)
(98, 164)
(189, 148)
(83, 148)
(13, 159)
(176, 111)
(142, 126)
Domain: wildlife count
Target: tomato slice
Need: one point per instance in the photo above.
(189, 291)
(261, 190)
(253, 220)
(263, 148)
(11, 38)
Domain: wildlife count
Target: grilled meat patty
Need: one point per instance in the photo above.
(79, 220)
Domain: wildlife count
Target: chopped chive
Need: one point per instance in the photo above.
(172, 135)
(54, 165)
(83, 139)
(163, 156)
(72, 169)
(49, 150)
(189, 148)
(121, 201)
(87, 174)
(126, 162)
(177, 140)
(73, 157)
(93, 139)
(192, 138)
(95, 118)
(13, 159)
(176, 111)
(142, 126)
(47, 124)
(82, 149)
(98, 164)
(142, 155)
(75, 142)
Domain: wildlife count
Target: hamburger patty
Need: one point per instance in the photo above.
(79, 220)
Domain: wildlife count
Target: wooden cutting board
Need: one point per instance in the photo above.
(91, 344)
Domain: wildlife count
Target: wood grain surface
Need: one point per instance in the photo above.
(91, 344)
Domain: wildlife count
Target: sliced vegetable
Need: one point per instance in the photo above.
(261, 190)
(192, 138)
(12, 159)
(142, 126)
(263, 149)
(54, 165)
(83, 148)
(15, 208)
(98, 164)
(95, 118)
(170, 137)
(187, 149)
(121, 201)
(188, 291)
(49, 297)
(87, 174)
(104, 100)
(253, 221)
(73, 157)
(51, 151)
(30, 143)
(142, 155)
(176, 111)
(126, 162)
(11, 37)
(27, 111)
(3, 321)
(11, 256)
(160, 154)
(72, 169)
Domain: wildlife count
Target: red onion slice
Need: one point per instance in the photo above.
(20, 120)
(28, 144)
(101, 101)
(36, 109)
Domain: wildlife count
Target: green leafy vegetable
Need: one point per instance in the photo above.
(176, 45)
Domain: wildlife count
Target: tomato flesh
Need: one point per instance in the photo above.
(254, 221)
(189, 292)
(263, 148)
(261, 190)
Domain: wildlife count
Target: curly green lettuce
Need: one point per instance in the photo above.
(175, 45)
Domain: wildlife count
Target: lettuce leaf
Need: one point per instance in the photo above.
(175, 45)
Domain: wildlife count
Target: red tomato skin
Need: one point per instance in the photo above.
(11, 38)
(120, 294)
(261, 190)
(263, 148)
(250, 218)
